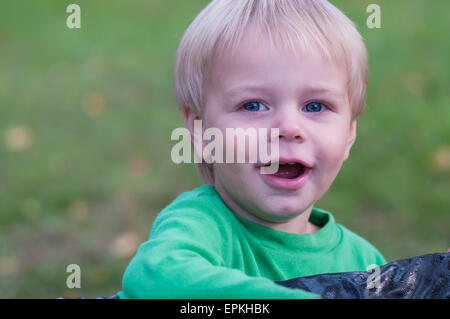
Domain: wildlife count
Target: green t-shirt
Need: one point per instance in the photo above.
(198, 248)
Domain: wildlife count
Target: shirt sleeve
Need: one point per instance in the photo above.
(182, 260)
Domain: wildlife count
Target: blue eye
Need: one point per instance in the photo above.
(254, 106)
(314, 107)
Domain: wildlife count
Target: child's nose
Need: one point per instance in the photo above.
(290, 127)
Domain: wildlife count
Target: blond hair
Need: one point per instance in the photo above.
(292, 24)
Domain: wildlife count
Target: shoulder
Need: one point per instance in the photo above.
(204, 197)
(202, 201)
(196, 212)
(360, 247)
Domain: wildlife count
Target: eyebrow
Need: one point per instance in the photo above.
(305, 90)
(324, 90)
(239, 89)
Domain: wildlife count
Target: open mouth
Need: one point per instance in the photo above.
(292, 174)
(290, 170)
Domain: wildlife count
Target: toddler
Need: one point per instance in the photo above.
(299, 66)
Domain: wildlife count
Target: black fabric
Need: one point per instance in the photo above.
(422, 277)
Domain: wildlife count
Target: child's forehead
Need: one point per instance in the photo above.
(231, 83)
(257, 53)
(260, 43)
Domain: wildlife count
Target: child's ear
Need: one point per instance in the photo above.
(189, 117)
(351, 139)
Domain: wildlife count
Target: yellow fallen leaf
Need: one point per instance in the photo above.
(442, 158)
(18, 138)
(8, 266)
(78, 210)
(138, 166)
(94, 104)
(125, 245)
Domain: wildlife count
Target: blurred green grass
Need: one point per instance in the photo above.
(86, 117)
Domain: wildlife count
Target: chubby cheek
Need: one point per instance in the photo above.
(330, 154)
(241, 144)
(230, 174)
(238, 182)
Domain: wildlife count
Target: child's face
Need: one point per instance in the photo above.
(303, 96)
